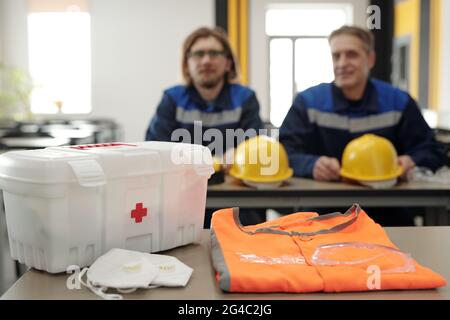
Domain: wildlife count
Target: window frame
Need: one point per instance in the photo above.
(347, 8)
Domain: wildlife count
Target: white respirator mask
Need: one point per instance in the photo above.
(126, 271)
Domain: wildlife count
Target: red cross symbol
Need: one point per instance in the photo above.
(138, 213)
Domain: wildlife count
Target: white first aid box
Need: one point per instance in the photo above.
(68, 205)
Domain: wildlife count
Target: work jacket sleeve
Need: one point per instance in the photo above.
(250, 118)
(417, 139)
(164, 120)
(297, 136)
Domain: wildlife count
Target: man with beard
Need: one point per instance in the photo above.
(211, 98)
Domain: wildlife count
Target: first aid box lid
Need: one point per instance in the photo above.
(92, 164)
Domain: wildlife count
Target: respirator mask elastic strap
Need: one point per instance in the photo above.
(100, 291)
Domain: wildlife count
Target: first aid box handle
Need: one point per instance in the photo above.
(89, 173)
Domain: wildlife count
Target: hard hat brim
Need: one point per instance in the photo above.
(268, 179)
(398, 172)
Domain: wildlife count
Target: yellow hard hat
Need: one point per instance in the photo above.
(261, 159)
(370, 158)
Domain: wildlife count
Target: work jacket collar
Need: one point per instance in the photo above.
(368, 103)
(222, 102)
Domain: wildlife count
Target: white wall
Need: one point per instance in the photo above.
(14, 25)
(135, 52)
(135, 55)
(2, 19)
(444, 110)
(259, 59)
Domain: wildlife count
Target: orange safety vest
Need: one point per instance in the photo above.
(305, 252)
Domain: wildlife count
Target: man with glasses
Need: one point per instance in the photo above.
(211, 98)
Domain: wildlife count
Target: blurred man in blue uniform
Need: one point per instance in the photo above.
(210, 98)
(324, 118)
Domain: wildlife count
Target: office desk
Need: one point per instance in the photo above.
(428, 245)
(299, 192)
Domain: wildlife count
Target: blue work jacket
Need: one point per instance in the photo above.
(322, 121)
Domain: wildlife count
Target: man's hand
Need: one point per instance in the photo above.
(326, 169)
(407, 163)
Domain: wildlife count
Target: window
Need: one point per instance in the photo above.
(59, 47)
(299, 53)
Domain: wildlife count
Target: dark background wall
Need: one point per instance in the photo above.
(383, 40)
